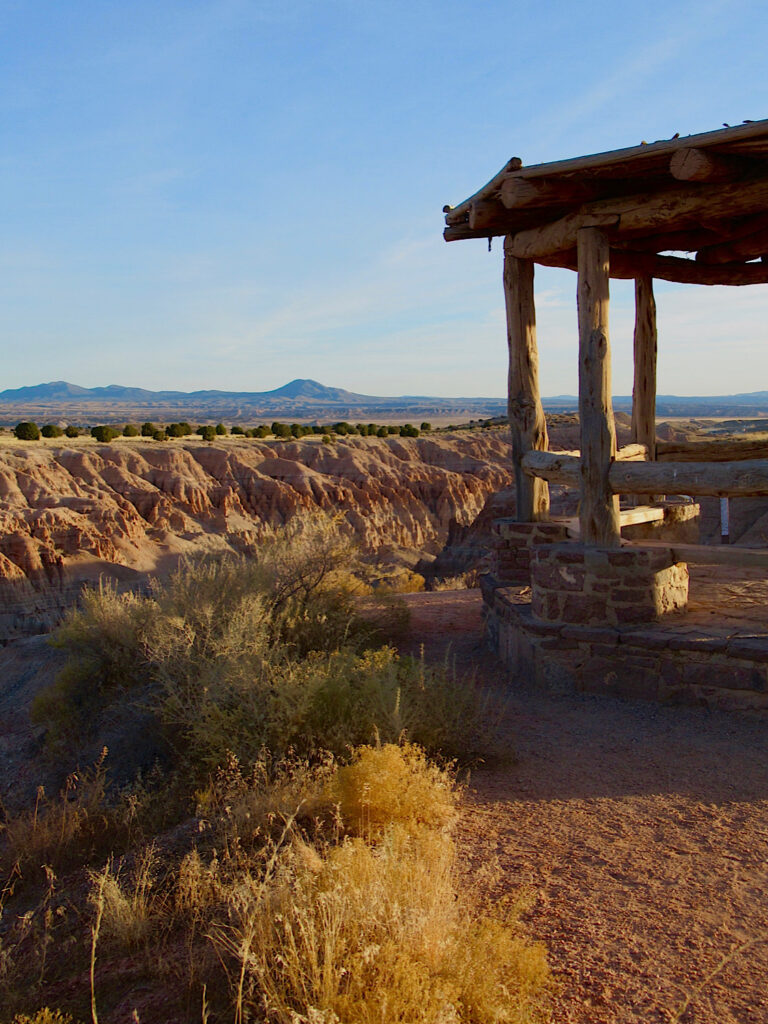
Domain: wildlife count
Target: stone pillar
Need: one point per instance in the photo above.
(586, 585)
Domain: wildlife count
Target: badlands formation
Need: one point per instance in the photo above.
(75, 513)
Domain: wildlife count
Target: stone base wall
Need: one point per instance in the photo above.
(514, 541)
(659, 662)
(572, 583)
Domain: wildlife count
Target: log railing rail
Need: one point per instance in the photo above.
(748, 478)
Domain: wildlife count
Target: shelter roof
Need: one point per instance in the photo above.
(704, 193)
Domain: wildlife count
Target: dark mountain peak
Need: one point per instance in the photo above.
(302, 387)
(53, 390)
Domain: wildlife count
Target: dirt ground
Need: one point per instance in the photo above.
(639, 832)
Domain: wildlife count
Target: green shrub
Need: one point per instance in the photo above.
(160, 435)
(51, 430)
(72, 431)
(262, 431)
(179, 429)
(426, 427)
(130, 430)
(148, 429)
(238, 430)
(208, 432)
(239, 655)
(327, 439)
(104, 434)
(281, 429)
(408, 430)
(392, 429)
(220, 429)
(382, 432)
(27, 431)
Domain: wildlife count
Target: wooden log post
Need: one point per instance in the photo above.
(644, 388)
(599, 510)
(526, 415)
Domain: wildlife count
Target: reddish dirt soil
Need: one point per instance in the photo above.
(639, 832)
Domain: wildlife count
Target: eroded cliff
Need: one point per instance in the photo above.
(72, 514)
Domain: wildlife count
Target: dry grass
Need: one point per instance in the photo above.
(391, 784)
(126, 906)
(57, 833)
(44, 1016)
(365, 932)
(329, 894)
(462, 581)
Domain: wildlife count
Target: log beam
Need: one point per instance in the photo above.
(526, 415)
(726, 450)
(599, 511)
(520, 193)
(701, 165)
(671, 210)
(628, 265)
(485, 214)
(724, 479)
(669, 241)
(747, 479)
(747, 248)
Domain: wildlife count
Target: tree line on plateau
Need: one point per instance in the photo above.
(27, 430)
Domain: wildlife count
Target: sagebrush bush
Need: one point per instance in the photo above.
(104, 640)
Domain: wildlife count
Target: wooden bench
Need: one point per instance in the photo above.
(627, 517)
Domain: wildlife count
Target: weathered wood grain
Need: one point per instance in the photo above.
(599, 511)
(526, 415)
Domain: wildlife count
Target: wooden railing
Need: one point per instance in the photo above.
(748, 478)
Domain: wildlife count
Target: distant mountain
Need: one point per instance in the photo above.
(300, 399)
(310, 389)
(61, 390)
(308, 399)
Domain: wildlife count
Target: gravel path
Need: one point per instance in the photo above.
(640, 833)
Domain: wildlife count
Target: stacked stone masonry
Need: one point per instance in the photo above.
(514, 542)
(605, 586)
(661, 661)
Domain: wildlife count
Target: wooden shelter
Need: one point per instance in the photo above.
(630, 213)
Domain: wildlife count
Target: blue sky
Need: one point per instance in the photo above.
(234, 193)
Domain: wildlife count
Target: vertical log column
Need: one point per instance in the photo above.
(524, 409)
(599, 511)
(644, 389)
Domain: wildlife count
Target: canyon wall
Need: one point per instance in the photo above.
(73, 514)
